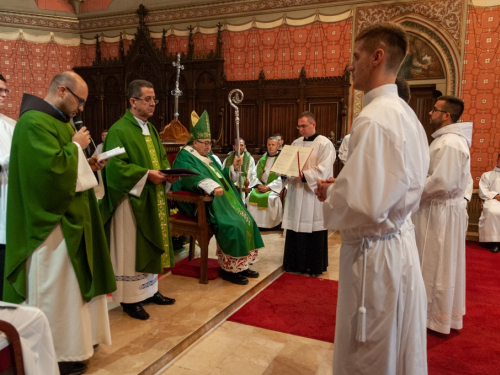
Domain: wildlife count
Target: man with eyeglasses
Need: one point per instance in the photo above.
(306, 242)
(238, 238)
(57, 255)
(6, 130)
(441, 221)
(134, 207)
(381, 304)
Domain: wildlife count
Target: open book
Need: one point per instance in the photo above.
(291, 160)
(109, 154)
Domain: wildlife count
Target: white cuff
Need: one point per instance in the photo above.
(139, 186)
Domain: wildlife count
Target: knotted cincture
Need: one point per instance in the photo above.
(361, 333)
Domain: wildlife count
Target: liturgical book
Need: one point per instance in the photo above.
(109, 154)
(291, 160)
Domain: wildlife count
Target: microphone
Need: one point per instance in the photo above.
(77, 121)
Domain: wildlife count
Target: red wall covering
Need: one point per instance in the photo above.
(481, 88)
(323, 48)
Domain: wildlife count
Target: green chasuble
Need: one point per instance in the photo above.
(42, 180)
(154, 249)
(235, 230)
(256, 197)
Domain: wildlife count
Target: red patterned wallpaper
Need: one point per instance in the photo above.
(480, 87)
(29, 67)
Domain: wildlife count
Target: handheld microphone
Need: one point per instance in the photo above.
(77, 121)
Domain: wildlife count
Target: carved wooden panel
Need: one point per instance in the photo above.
(281, 118)
(327, 118)
(422, 101)
(248, 124)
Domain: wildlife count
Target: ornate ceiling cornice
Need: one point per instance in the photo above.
(40, 21)
(157, 17)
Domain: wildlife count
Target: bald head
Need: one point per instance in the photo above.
(68, 92)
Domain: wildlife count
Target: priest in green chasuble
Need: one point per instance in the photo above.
(134, 207)
(237, 234)
(264, 201)
(247, 168)
(57, 256)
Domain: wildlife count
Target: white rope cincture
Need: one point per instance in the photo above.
(361, 333)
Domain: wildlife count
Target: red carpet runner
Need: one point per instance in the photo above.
(299, 305)
(305, 306)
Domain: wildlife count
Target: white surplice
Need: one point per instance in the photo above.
(76, 325)
(39, 357)
(6, 131)
(303, 211)
(370, 203)
(273, 214)
(489, 222)
(344, 149)
(441, 226)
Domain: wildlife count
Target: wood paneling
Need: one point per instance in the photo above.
(422, 101)
(269, 106)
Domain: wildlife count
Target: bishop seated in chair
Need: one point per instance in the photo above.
(238, 237)
(264, 201)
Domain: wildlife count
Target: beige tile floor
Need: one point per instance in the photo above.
(234, 348)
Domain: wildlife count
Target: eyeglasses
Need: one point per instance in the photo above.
(438, 110)
(147, 99)
(302, 126)
(6, 91)
(81, 102)
(207, 143)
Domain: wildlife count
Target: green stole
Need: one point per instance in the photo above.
(256, 197)
(244, 167)
(154, 248)
(42, 178)
(234, 228)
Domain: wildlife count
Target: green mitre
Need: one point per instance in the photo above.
(200, 127)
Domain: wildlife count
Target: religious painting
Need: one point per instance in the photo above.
(422, 61)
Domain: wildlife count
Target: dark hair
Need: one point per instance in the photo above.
(241, 139)
(105, 130)
(135, 87)
(63, 79)
(403, 89)
(453, 105)
(309, 115)
(389, 36)
(2, 78)
(273, 138)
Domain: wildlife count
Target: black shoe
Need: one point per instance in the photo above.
(159, 299)
(135, 310)
(249, 273)
(235, 278)
(72, 368)
(495, 249)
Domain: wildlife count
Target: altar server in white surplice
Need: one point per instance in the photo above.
(248, 167)
(441, 221)
(489, 222)
(381, 298)
(306, 242)
(6, 131)
(344, 149)
(264, 202)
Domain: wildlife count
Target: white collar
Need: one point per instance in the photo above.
(143, 125)
(197, 155)
(389, 89)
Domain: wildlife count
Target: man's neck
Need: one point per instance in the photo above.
(380, 80)
(135, 114)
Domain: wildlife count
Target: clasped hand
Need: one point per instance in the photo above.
(263, 188)
(238, 161)
(322, 188)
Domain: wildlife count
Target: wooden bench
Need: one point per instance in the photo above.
(197, 228)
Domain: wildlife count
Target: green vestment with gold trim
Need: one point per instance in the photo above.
(154, 249)
(235, 230)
